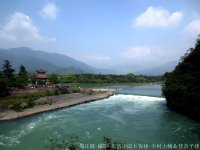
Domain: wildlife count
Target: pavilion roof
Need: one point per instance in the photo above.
(42, 77)
(41, 71)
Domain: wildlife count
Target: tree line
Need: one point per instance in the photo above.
(10, 79)
(102, 78)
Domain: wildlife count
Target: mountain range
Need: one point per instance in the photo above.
(59, 63)
(35, 59)
(159, 70)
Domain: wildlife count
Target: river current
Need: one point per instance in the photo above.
(135, 115)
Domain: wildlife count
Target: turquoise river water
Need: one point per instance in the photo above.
(135, 115)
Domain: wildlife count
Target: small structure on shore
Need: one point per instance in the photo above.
(41, 77)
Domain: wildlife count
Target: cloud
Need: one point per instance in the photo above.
(98, 58)
(192, 29)
(137, 52)
(49, 11)
(20, 29)
(157, 17)
(150, 54)
(102, 58)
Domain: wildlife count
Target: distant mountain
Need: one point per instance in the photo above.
(159, 70)
(52, 62)
(59, 63)
(136, 69)
(124, 69)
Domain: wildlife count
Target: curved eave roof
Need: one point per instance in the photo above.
(42, 77)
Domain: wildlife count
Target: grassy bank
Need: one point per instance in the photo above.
(25, 99)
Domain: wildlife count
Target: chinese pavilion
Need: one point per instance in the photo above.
(41, 77)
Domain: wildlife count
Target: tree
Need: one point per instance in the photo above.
(7, 69)
(130, 77)
(82, 79)
(22, 77)
(54, 79)
(109, 79)
(182, 86)
(68, 78)
(9, 73)
(3, 85)
(22, 69)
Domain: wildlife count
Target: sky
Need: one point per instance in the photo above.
(103, 33)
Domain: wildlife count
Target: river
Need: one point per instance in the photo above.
(135, 115)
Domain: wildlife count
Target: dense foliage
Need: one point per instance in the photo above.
(8, 71)
(101, 78)
(22, 77)
(8, 78)
(3, 85)
(182, 86)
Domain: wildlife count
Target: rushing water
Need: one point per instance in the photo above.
(135, 115)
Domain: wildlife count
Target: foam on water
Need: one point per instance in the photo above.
(126, 100)
(121, 97)
(88, 135)
(133, 118)
(99, 129)
(116, 118)
(14, 136)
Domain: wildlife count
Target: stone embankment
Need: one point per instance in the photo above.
(49, 103)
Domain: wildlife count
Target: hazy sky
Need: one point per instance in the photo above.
(103, 33)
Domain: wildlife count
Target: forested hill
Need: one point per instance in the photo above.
(35, 59)
(182, 86)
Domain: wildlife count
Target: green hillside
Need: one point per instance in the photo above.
(182, 86)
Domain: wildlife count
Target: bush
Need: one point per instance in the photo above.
(64, 91)
(30, 104)
(32, 96)
(49, 93)
(77, 90)
(17, 107)
(61, 91)
(10, 106)
(23, 105)
(56, 92)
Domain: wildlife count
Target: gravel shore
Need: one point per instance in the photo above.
(49, 103)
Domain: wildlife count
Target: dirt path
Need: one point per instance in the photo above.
(55, 102)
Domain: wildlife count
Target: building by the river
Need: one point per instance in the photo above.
(42, 78)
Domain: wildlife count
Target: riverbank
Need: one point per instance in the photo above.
(49, 103)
